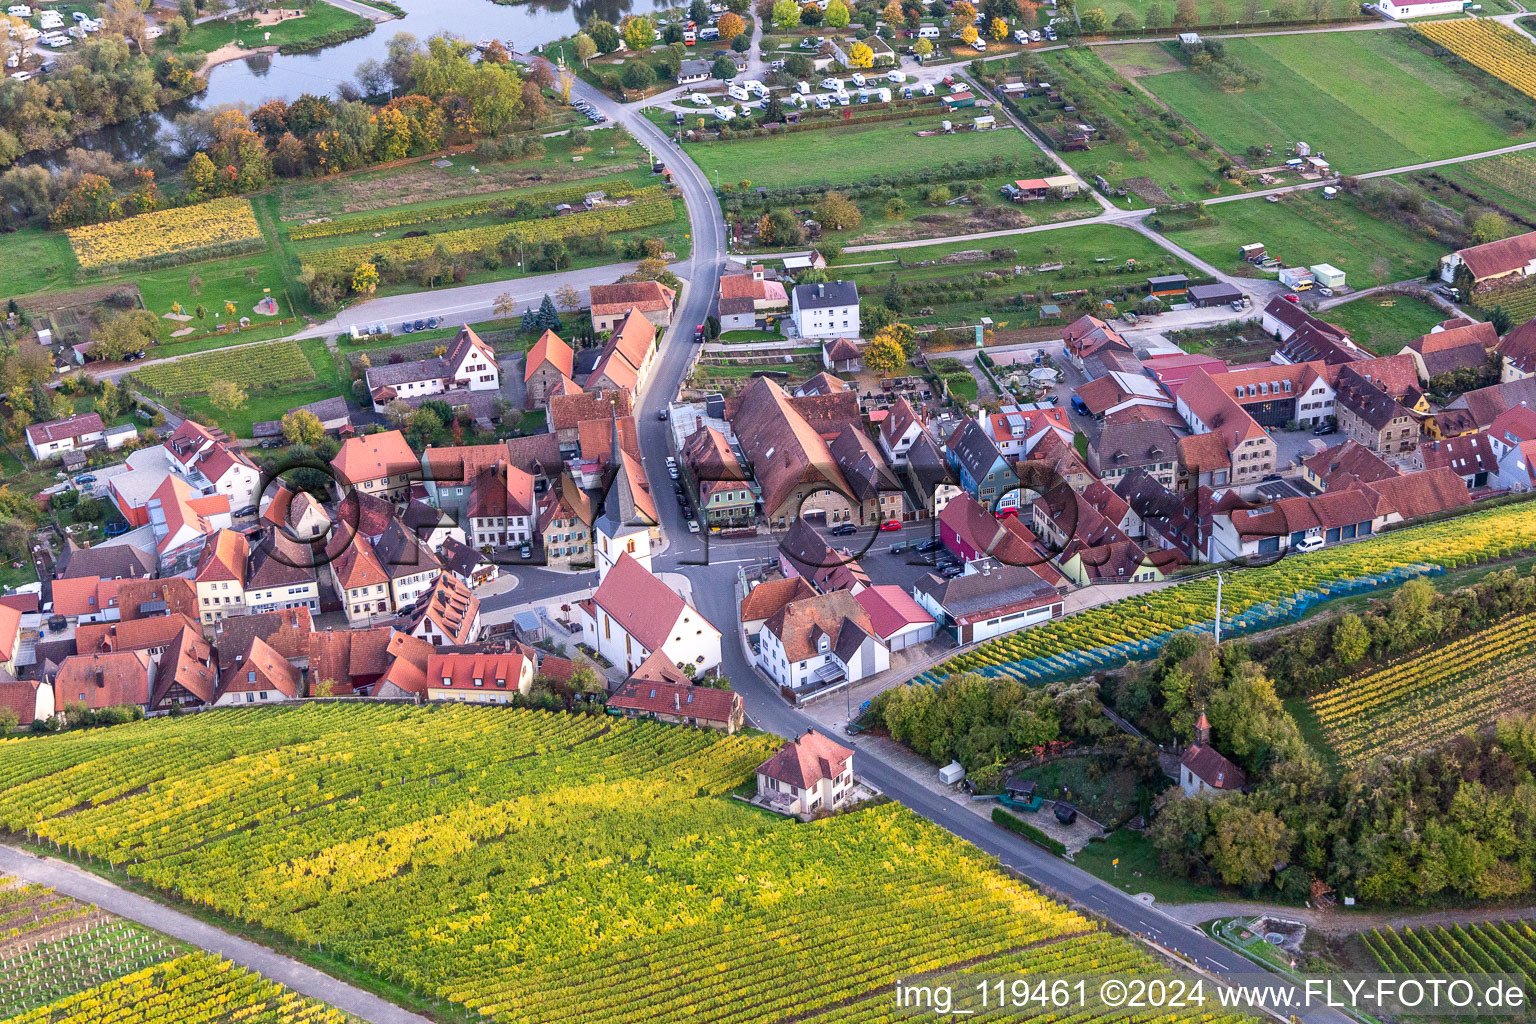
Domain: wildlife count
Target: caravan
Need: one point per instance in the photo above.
(736, 92)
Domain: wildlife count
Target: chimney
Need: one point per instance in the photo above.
(821, 290)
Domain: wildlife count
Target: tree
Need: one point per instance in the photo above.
(302, 427)
(964, 12)
(968, 35)
(227, 396)
(786, 15)
(1095, 21)
(730, 26)
(365, 279)
(883, 355)
(1220, 13)
(895, 208)
(130, 331)
(548, 317)
(810, 14)
(1351, 640)
(860, 55)
(639, 32)
(1489, 227)
(637, 76)
(568, 298)
(892, 14)
(895, 298)
(837, 14)
(923, 47)
(775, 111)
(724, 68)
(1245, 844)
(1185, 14)
(603, 34)
(1501, 320)
(504, 306)
(586, 49)
(838, 213)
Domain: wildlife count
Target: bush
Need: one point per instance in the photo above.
(1028, 831)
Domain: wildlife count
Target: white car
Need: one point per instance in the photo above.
(693, 526)
(1313, 543)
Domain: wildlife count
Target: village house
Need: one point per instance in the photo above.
(626, 359)
(933, 483)
(379, 465)
(898, 431)
(501, 507)
(1372, 416)
(448, 615)
(870, 481)
(808, 774)
(812, 643)
(790, 460)
(258, 675)
(825, 310)
(54, 438)
(489, 678)
(898, 620)
(805, 553)
(1122, 447)
(202, 460)
(564, 528)
(982, 471)
(1446, 350)
(1517, 353)
(1337, 467)
(105, 680)
(547, 370)
(1492, 263)
(720, 483)
(86, 599)
(613, 302)
(361, 582)
(1471, 457)
(749, 300)
(298, 516)
(680, 704)
(409, 563)
(1239, 451)
(468, 366)
(1087, 336)
(220, 579)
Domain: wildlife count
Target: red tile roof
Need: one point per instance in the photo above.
(619, 298)
(374, 457)
(552, 350)
(104, 680)
(73, 426)
(640, 603)
(451, 607)
(131, 635)
(224, 558)
(495, 671)
(805, 761)
(771, 595)
(258, 668)
(669, 698)
(1503, 256)
(1207, 764)
(891, 609)
(79, 596)
(176, 592)
(10, 631)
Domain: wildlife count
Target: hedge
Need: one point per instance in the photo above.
(1028, 831)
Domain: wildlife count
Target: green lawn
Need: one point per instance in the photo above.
(746, 337)
(36, 260)
(1385, 323)
(1306, 229)
(1139, 870)
(842, 155)
(1368, 100)
(322, 19)
(1142, 146)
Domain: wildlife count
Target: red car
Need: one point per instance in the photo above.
(890, 525)
(1003, 513)
(1292, 297)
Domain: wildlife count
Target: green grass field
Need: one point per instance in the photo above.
(271, 404)
(321, 19)
(842, 155)
(36, 260)
(1384, 323)
(1305, 229)
(1369, 100)
(1146, 149)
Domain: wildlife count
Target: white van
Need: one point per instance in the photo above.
(823, 102)
(19, 11)
(859, 80)
(724, 114)
(979, 45)
(895, 77)
(736, 92)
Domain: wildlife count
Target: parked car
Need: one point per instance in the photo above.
(526, 551)
(270, 442)
(1292, 297)
(1324, 429)
(661, 414)
(421, 325)
(930, 545)
(433, 322)
(843, 530)
(406, 327)
(85, 479)
(241, 513)
(949, 572)
(693, 526)
(698, 335)
(1078, 406)
(1312, 543)
(890, 524)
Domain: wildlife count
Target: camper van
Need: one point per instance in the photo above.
(803, 88)
(859, 80)
(736, 92)
(979, 45)
(755, 87)
(832, 84)
(823, 102)
(928, 32)
(724, 114)
(895, 77)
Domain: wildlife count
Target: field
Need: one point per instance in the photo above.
(61, 960)
(1504, 947)
(178, 235)
(320, 20)
(36, 260)
(957, 292)
(1368, 100)
(842, 155)
(1497, 49)
(1305, 229)
(277, 376)
(1252, 598)
(537, 867)
(1419, 701)
(1143, 146)
(1505, 185)
(1384, 323)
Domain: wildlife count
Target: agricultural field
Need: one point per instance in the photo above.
(1500, 947)
(1103, 258)
(276, 375)
(62, 960)
(1368, 100)
(534, 866)
(1130, 628)
(835, 156)
(1419, 701)
(1497, 49)
(1384, 323)
(182, 234)
(1304, 229)
(1135, 149)
(1505, 185)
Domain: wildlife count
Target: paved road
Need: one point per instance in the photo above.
(470, 303)
(83, 885)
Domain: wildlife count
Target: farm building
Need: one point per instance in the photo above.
(1168, 285)
(1252, 252)
(1399, 10)
(1492, 261)
(1296, 277)
(1206, 295)
(1328, 275)
(1040, 188)
(959, 101)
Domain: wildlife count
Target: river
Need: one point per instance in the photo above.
(277, 76)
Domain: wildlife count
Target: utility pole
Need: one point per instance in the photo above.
(1218, 607)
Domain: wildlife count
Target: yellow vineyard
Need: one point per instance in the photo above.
(1502, 52)
(170, 235)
